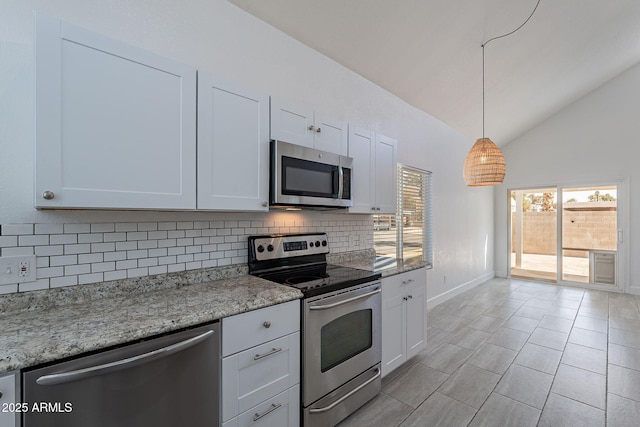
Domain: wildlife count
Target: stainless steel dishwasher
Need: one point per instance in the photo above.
(168, 381)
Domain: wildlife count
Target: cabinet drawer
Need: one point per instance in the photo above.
(396, 285)
(280, 411)
(256, 374)
(249, 329)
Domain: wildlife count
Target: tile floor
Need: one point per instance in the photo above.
(518, 353)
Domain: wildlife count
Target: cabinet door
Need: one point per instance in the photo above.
(291, 123)
(115, 125)
(330, 135)
(8, 395)
(233, 146)
(416, 306)
(361, 150)
(393, 332)
(385, 175)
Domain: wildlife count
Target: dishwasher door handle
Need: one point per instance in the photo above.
(67, 377)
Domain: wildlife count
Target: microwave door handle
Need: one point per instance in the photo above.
(340, 182)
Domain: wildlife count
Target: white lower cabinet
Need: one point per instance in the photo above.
(9, 401)
(404, 317)
(261, 367)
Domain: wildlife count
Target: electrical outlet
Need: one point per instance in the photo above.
(17, 269)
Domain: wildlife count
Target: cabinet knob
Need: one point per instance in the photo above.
(318, 130)
(410, 296)
(265, 204)
(405, 298)
(311, 127)
(48, 195)
(266, 324)
(377, 208)
(373, 208)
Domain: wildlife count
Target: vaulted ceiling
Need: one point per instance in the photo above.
(428, 52)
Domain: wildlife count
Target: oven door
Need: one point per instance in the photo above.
(305, 176)
(342, 338)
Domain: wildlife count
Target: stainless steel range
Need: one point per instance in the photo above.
(341, 329)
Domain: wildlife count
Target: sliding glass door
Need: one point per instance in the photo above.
(565, 234)
(534, 232)
(589, 234)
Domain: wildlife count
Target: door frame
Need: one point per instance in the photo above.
(623, 227)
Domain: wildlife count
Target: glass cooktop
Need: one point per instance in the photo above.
(319, 279)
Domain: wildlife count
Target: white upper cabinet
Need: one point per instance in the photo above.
(374, 187)
(297, 125)
(115, 125)
(233, 146)
(362, 179)
(385, 174)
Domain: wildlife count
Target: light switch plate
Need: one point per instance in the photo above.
(17, 269)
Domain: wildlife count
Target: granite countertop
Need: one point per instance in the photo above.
(43, 326)
(367, 260)
(56, 324)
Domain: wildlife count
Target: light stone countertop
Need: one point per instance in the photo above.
(44, 326)
(40, 332)
(367, 260)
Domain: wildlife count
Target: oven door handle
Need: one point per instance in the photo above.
(348, 300)
(346, 396)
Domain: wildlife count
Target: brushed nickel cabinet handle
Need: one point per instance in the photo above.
(273, 407)
(269, 353)
(266, 324)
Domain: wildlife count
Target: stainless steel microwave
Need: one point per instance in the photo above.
(306, 177)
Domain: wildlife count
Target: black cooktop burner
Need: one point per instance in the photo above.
(320, 279)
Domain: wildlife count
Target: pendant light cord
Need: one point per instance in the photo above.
(495, 38)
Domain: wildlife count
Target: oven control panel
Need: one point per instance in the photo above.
(286, 246)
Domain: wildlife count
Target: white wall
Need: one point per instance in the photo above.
(218, 37)
(595, 140)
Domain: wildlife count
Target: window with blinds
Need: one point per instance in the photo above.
(407, 234)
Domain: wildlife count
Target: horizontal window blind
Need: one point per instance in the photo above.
(412, 222)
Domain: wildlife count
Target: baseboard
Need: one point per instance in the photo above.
(634, 290)
(438, 299)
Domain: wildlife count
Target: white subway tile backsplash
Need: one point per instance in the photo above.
(117, 275)
(20, 251)
(77, 228)
(71, 270)
(160, 269)
(126, 226)
(63, 239)
(8, 241)
(90, 258)
(79, 253)
(58, 282)
(90, 278)
(103, 228)
(55, 261)
(16, 229)
(49, 228)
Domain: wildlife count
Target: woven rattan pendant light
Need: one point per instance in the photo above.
(485, 163)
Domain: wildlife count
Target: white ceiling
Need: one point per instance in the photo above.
(428, 52)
